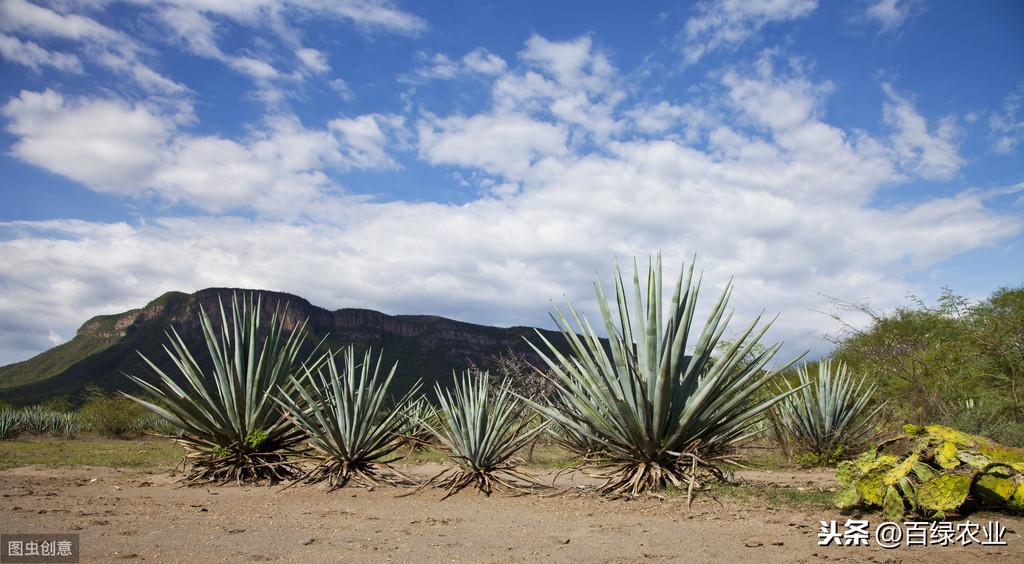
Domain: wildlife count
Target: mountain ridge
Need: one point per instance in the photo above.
(426, 347)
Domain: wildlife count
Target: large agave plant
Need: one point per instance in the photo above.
(481, 433)
(661, 409)
(826, 415)
(354, 435)
(231, 427)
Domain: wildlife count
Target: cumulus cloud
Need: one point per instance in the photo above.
(723, 24)
(106, 144)
(136, 150)
(760, 183)
(507, 144)
(930, 153)
(891, 14)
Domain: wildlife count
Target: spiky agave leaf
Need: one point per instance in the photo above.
(419, 416)
(352, 432)
(580, 444)
(661, 415)
(231, 427)
(481, 432)
(829, 413)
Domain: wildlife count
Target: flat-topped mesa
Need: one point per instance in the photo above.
(106, 347)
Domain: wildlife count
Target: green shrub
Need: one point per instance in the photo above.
(112, 416)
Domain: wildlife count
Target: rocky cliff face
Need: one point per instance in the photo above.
(427, 348)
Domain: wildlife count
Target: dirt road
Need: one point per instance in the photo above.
(148, 517)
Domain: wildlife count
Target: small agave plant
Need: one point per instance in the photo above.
(481, 432)
(12, 424)
(353, 434)
(232, 428)
(660, 408)
(827, 415)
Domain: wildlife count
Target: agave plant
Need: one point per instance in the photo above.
(38, 419)
(662, 411)
(827, 415)
(153, 424)
(66, 425)
(481, 432)
(11, 424)
(231, 427)
(420, 416)
(343, 411)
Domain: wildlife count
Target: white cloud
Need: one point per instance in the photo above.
(663, 117)
(752, 176)
(891, 14)
(340, 86)
(111, 49)
(315, 61)
(35, 57)
(108, 145)
(439, 66)
(507, 144)
(366, 139)
(929, 154)
(484, 62)
(196, 24)
(136, 150)
(24, 16)
(570, 82)
(1007, 125)
(722, 24)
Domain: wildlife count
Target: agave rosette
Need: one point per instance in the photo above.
(827, 414)
(661, 410)
(352, 432)
(481, 433)
(232, 429)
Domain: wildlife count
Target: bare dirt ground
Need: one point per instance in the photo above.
(133, 516)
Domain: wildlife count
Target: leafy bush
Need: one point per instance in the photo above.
(825, 416)
(112, 416)
(942, 471)
(660, 416)
(960, 362)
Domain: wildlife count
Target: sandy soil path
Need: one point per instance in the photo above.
(126, 516)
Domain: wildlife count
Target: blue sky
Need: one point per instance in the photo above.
(479, 160)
